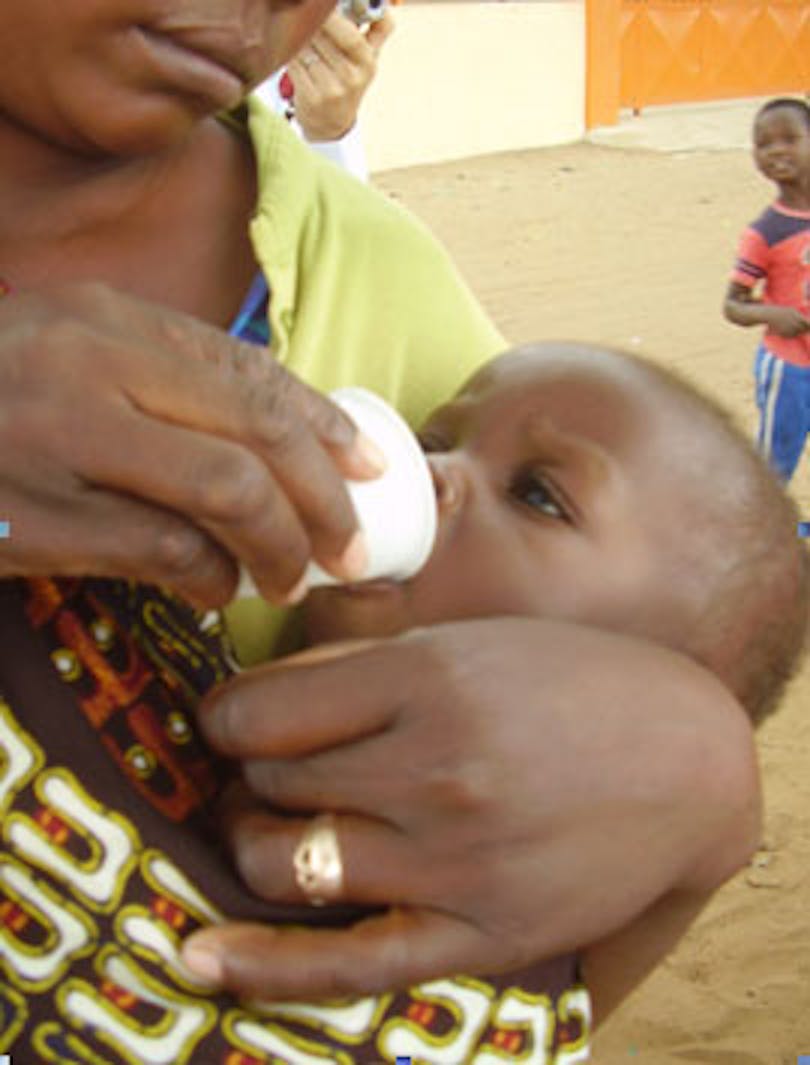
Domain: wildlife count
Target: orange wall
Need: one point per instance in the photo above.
(602, 62)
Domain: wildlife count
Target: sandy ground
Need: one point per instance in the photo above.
(633, 247)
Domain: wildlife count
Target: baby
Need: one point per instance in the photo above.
(580, 484)
(583, 484)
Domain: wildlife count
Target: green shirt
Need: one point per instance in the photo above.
(361, 294)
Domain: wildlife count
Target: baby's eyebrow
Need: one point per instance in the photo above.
(594, 475)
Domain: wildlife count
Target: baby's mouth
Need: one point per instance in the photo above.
(380, 586)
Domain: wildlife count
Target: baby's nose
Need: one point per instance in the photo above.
(449, 480)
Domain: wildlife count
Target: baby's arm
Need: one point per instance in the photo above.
(742, 308)
(614, 966)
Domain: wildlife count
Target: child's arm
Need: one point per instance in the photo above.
(613, 967)
(742, 308)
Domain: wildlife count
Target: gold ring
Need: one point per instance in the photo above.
(317, 862)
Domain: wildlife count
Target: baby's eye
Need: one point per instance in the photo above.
(531, 490)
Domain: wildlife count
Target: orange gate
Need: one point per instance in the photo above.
(642, 52)
(673, 51)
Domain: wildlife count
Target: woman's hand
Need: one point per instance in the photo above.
(138, 442)
(510, 788)
(332, 73)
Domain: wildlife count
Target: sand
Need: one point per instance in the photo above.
(633, 247)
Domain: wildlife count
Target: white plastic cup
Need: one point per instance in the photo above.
(396, 511)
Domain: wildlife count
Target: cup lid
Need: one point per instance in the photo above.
(395, 438)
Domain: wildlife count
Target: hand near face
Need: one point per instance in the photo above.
(137, 442)
(482, 793)
(332, 73)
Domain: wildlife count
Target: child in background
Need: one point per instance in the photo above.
(770, 284)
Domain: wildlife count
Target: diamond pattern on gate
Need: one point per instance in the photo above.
(675, 51)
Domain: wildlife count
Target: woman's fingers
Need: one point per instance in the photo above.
(104, 394)
(395, 949)
(256, 386)
(379, 864)
(69, 534)
(221, 487)
(239, 392)
(349, 692)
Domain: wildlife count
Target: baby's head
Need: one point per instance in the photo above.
(584, 484)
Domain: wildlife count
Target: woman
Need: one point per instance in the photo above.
(139, 441)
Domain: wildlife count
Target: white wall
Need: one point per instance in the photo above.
(467, 78)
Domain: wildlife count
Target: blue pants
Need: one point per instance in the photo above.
(783, 399)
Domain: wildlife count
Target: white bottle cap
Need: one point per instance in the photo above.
(397, 510)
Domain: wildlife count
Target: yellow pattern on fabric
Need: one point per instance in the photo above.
(138, 1003)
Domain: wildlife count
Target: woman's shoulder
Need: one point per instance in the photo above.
(301, 190)
(363, 292)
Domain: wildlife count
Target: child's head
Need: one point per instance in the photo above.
(583, 484)
(781, 141)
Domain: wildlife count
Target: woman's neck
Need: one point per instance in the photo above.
(50, 194)
(171, 226)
